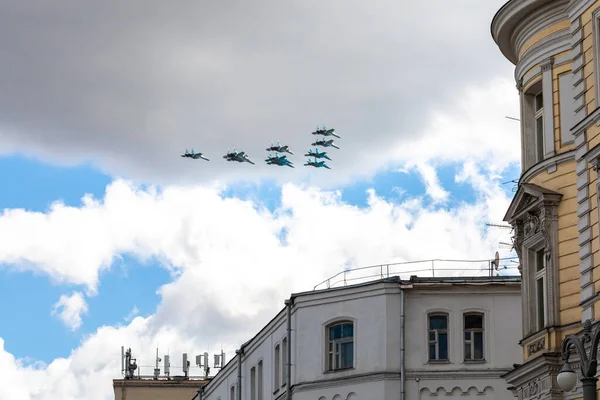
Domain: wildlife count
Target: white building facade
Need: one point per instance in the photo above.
(382, 340)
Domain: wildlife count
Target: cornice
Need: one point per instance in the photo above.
(543, 50)
(576, 8)
(507, 19)
(456, 374)
(346, 380)
(547, 163)
(585, 123)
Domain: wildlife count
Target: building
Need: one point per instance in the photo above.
(161, 389)
(554, 46)
(382, 340)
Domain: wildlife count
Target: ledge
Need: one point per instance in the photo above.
(506, 20)
(549, 162)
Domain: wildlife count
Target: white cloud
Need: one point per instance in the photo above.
(134, 311)
(433, 187)
(69, 310)
(231, 270)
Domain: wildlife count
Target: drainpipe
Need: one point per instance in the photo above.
(200, 392)
(288, 389)
(239, 354)
(402, 326)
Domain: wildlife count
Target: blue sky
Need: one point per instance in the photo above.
(33, 185)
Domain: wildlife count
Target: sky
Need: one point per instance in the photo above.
(109, 238)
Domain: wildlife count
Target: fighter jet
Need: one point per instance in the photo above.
(316, 164)
(316, 154)
(193, 155)
(324, 143)
(237, 156)
(279, 148)
(282, 161)
(325, 132)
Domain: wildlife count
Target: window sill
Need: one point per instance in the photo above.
(338, 370)
(474, 361)
(438, 362)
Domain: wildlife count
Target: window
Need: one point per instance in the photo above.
(284, 362)
(276, 370)
(438, 337)
(232, 392)
(260, 380)
(253, 383)
(540, 288)
(473, 326)
(340, 340)
(539, 126)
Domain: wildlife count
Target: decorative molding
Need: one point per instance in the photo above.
(457, 390)
(550, 46)
(543, 166)
(576, 8)
(536, 346)
(506, 25)
(546, 65)
(585, 123)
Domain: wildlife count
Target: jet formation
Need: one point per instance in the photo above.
(323, 142)
(282, 160)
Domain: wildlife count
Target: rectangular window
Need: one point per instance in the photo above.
(276, 370)
(340, 348)
(253, 383)
(260, 380)
(539, 126)
(284, 362)
(473, 326)
(232, 393)
(438, 337)
(540, 288)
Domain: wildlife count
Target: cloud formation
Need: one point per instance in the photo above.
(130, 86)
(69, 310)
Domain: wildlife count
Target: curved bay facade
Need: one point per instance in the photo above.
(555, 47)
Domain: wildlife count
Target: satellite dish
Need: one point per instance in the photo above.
(496, 261)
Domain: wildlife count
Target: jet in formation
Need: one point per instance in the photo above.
(279, 148)
(193, 155)
(325, 132)
(325, 143)
(316, 154)
(238, 156)
(316, 164)
(282, 161)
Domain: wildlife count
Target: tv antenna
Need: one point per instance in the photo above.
(156, 369)
(499, 226)
(513, 118)
(515, 183)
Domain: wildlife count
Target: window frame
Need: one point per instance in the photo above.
(253, 383)
(331, 346)
(436, 341)
(284, 343)
(232, 392)
(276, 366)
(471, 340)
(260, 380)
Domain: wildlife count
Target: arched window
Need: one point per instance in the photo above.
(438, 336)
(340, 346)
(473, 336)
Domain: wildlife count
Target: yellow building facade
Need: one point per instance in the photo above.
(555, 47)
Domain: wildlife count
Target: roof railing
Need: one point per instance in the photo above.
(381, 271)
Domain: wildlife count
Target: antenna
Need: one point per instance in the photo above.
(122, 359)
(167, 365)
(513, 118)
(186, 365)
(499, 226)
(156, 369)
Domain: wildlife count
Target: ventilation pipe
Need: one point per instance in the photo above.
(402, 335)
(288, 367)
